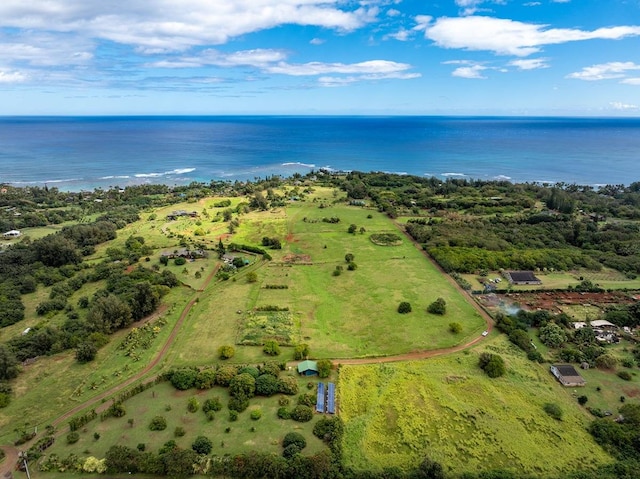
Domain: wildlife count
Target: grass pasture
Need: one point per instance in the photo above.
(447, 409)
(350, 315)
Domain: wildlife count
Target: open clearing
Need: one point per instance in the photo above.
(446, 409)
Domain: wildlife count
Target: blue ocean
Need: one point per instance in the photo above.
(75, 153)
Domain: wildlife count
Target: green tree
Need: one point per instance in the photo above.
(324, 368)
(552, 335)
(352, 229)
(108, 314)
(225, 374)
(8, 363)
(349, 257)
(294, 438)
(455, 328)
(439, 306)
(252, 277)
(266, 385)
(202, 445)
(183, 378)
(86, 352)
(492, 364)
(205, 379)
(271, 348)
(242, 385)
(158, 423)
(301, 351)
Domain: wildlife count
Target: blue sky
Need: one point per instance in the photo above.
(449, 57)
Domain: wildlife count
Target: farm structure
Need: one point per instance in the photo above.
(308, 368)
(567, 375)
(11, 234)
(326, 398)
(522, 277)
(185, 253)
(605, 331)
(174, 215)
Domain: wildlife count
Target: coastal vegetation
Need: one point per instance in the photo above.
(166, 321)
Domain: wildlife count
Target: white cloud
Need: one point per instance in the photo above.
(472, 72)
(631, 81)
(317, 41)
(508, 37)
(618, 105)
(175, 25)
(12, 76)
(383, 68)
(605, 71)
(532, 4)
(530, 64)
(402, 35)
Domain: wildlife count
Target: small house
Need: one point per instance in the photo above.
(567, 375)
(522, 277)
(308, 368)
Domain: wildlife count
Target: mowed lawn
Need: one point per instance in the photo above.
(447, 409)
(350, 315)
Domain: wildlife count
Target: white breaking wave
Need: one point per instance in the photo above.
(297, 163)
(177, 171)
(502, 177)
(453, 174)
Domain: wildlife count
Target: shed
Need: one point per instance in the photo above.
(567, 375)
(522, 277)
(308, 368)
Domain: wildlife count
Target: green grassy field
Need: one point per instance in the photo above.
(447, 409)
(353, 314)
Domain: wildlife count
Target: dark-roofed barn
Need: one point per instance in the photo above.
(567, 375)
(522, 277)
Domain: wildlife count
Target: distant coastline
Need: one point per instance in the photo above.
(79, 153)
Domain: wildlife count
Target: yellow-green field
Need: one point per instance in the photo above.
(448, 410)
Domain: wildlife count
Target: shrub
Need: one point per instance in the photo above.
(86, 352)
(73, 437)
(158, 423)
(455, 328)
(226, 352)
(251, 370)
(266, 385)
(553, 410)
(352, 267)
(626, 375)
(179, 431)
(212, 404)
(193, 404)
(205, 379)
(439, 306)
(242, 385)
(233, 416)
(284, 413)
(582, 400)
(210, 416)
(404, 307)
(283, 401)
(290, 451)
(180, 261)
(225, 374)
(302, 413)
(288, 385)
(238, 403)
(256, 414)
(301, 351)
(202, 445)
(271, 348)
(492, 364)
(294, 438)
(606, 361)
(307, 399)
(324, 368)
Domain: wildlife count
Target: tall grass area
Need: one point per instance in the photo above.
(448, 409)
